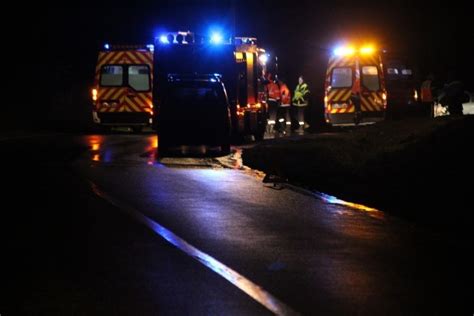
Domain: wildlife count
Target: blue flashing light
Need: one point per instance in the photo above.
(216, 38)
(338, 51)
(150, 47)
(107, 46)
(344, 51)
(164, 39)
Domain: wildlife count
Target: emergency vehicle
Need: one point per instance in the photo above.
(239, 63)
(355, 78)
(402, 83)
(122, 92)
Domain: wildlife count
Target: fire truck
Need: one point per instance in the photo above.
(355, 86)
(238, 61)
(122, 92)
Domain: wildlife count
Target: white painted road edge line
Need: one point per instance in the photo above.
(253, 290)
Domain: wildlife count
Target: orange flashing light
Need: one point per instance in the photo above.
(367, 50)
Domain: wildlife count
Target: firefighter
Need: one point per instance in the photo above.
(300, 102)
(427, 95)
(283, 115)
(273, 100)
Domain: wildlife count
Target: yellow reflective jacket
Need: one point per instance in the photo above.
(300, 97)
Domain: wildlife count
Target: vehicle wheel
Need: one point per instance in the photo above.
(137, 129)
(163, 147)
(259, 135)
(105, 129)
(225, 149)
(162, 151)
(261, 128)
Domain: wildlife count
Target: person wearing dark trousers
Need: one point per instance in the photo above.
(300, 102)
(273, 100)
(283, 115)
(355, 98)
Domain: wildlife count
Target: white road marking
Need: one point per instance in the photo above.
(253, 290)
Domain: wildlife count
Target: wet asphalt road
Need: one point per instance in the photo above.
(315, 257)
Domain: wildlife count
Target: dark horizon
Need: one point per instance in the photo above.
(301, 35)
(427, 33)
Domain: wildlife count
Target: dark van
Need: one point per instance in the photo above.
(194, 110)
(402, 83)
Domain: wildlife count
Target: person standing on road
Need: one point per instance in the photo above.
(300, 102)
(427, 96)
(273, 100)
(283, 115)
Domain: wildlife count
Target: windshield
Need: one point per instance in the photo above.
(370, 78)
(341, 77)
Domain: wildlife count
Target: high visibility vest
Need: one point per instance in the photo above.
(285, 95)
(426, 95)
(273, 91)
(301, 94)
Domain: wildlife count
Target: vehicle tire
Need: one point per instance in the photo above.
(261, 128)
(105, 130)
(259, 136)
(162, 151)
(137, 129)
(163, 147)
(225, 149)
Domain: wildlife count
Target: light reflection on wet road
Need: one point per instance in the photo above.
(319, 256)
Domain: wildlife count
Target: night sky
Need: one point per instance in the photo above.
(436, 36)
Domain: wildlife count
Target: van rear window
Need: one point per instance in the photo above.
(139, 77)
(341, 77)
(370, 78)
(111, 76)
(195, 94)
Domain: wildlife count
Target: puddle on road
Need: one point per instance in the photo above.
(204, 159)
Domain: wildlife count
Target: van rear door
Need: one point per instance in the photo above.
(372, 99)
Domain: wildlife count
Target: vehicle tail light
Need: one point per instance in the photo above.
(94, 94)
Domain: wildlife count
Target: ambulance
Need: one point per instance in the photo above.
(355, 90)
(122, 92)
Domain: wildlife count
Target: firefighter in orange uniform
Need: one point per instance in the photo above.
(427, 95)
(273, 99)
(283, 116)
